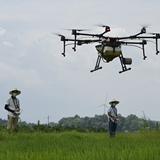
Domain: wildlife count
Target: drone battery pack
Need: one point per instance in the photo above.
(127, 61)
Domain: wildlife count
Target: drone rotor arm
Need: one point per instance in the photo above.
(87, 41)
(91, 35)
(135, 36)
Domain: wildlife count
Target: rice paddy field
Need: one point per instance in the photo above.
(73, 145)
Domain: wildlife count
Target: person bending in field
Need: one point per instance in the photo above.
(13, 107)
(112, 117)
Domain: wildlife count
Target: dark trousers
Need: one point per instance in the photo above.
(112, 128)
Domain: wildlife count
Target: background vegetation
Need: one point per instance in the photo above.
(73, 145)
(76, 138)
(98, 123)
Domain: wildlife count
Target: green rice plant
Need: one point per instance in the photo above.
(80, 146)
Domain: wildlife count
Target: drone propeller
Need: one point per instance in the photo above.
(144, 25)
(57, 34)
(60, 35)
(107, 28)
(101, 25)
(79, 30)
(156, 34)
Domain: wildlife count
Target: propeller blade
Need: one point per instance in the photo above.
(102, 25)
(57, 34)
(79, 30)
(154, 33)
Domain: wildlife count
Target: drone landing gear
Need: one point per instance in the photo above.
(97, 64)
(124, 61)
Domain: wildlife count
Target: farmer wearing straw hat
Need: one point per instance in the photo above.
(13, 107)
(112, 114)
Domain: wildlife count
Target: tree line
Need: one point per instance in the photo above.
(130, 123)
(98, 123)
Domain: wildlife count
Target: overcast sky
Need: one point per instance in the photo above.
(58, 87)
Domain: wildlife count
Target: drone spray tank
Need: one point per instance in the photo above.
(108, 53)
(110, 49)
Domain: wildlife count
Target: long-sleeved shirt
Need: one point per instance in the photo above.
(11, 105)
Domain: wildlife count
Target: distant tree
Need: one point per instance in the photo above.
(3, 122)
(98, 123)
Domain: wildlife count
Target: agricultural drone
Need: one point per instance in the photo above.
(108, 48)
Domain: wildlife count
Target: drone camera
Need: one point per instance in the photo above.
(127, 61)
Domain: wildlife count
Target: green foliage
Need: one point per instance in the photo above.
(98, 123)
(80, 146)
(157, 126)
(131, 123)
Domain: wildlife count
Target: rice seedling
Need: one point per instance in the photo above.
(80, 146)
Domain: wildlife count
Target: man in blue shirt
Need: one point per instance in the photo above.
(112, 117)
